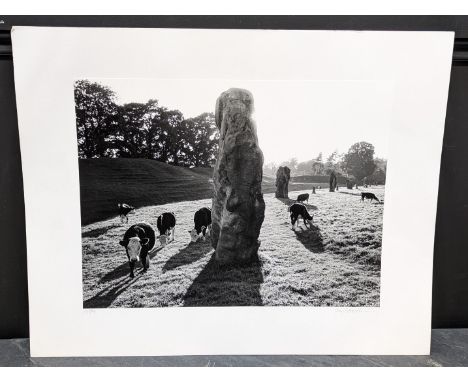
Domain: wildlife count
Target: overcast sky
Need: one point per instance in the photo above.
(294, 118)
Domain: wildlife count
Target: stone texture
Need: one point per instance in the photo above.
(238, 207)
(283, 174)
(332, 181)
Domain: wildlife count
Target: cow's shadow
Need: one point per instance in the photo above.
(105, 297)
(289, 202)
(96, 232)
(310, 238)
(189, 254)
(124, 269)
(226, 285)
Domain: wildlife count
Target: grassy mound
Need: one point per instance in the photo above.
(106, 182)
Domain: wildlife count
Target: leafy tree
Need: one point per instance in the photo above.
(96, 119)
(140, 130)
(318, 166)
(200, 143)
(291, 163)
(136, 135)
(305, 168)
(331, 163)
(359, 161)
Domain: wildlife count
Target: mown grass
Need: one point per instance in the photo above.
(337, 263)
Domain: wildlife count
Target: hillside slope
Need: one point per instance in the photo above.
(105, 182)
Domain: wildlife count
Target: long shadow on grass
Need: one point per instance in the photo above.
(191, 253)
(98, 231)
(124, 269)
(105, 297)
(311, 238)
(289, 202)
(222, 285)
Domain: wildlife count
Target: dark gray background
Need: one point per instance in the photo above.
(450, 291)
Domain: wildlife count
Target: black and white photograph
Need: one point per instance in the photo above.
(231, 193)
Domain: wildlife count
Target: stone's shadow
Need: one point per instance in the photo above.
(226, 285)
(124, 269)
(310, 238)
(289, 202)
(191, 253)
(105, 297)
(98, 231)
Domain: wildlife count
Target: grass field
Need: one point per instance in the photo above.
(337, 263)
(106, 182)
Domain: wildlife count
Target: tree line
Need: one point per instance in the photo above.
(141, 130)
(359, 164)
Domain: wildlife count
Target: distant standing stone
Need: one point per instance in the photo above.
(282, 181)
(332, 181)
(238, 206)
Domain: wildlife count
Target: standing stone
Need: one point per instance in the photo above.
(332, 181)
(313, 189)
(282, 181)
(238, 207)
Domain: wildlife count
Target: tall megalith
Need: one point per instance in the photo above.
(283, 174)
(238, 207)
(332, 181)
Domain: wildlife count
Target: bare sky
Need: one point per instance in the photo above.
(294, 118)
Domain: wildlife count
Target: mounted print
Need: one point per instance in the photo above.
(244, 197)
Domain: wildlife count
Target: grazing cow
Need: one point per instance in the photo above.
(124, 210)
(138, 241)
(202, 220)
(166, 227)
(368, 195)
(298, 210)
(303, 198)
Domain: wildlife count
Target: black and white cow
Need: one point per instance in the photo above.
(202, 220)
(368, 195)
(166, 227)
(138, 241)
(124, 210)
(298, 210)
(303, 198)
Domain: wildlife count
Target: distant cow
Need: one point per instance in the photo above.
(202, 220)
(368, 195)
(166, 227)
(124, 210)
(303, 198)
(298, 210)
(138, 241)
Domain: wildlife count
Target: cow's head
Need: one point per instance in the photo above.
(133, 246)
(194, 235)
(163, 240)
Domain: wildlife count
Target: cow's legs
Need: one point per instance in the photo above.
(293, 221)
(145, 262)
(132, 267)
